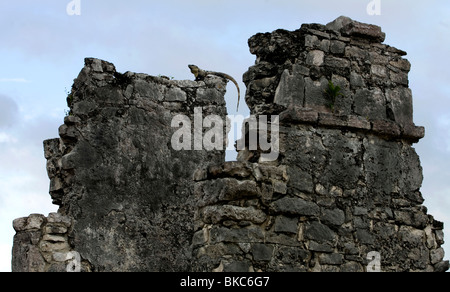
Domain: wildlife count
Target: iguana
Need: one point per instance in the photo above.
(201, 74)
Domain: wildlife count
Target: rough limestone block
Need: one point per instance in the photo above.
(291, 89)
(217, 214)
(295, 206)
(370, 104)
(286, 225)
(331, 259)
(369, 31)
(262, 252)
(337, 47)
(339, 23)
(315, 58)
(314, 94)
(400, 103)
(319, 232)
(333, 217)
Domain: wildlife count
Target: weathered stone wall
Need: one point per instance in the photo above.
(345, 186)
(41, 244)
(114, 172)
(347, 182)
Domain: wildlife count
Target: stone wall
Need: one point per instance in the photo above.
(342, 195)
(115, 174)
(41, 244)
(346, 185)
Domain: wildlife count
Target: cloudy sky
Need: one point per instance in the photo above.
(42, 48)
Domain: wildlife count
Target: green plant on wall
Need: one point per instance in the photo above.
(332, 92)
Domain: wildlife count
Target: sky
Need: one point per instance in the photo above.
(43, 44)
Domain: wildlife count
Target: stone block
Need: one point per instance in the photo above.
(55, 229)
(53, 238)
(236, 267)
(437, 255)
(412, 236)
(290, 90)
(51, 148)
(356, 53)
(217, 214)
(363, 30)
(331, 259)
(292, 255)
(320, 247)
(262, 252)
(32, 222)
(358, 122)
(379, 71)
(335, 62)
(286, 225)
(311, 41)
(386, 128)
(400, 103)
(314, 95)
(207, 95)
(360, 211)
(315, 58)
(356, 80)
(175, 94)
(300, 180)
(319, 232)
(400, 78)
(352, 267)
(364, 236)
(337, 47)
(231, 169)
(20, 224)
(402, 64)
(370, 104)
(334, 217)
(144, 89)
(236, 235)
(299, 115)
(295, 206)
(441, 267)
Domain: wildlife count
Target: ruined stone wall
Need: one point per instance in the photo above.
(115, 174)
(343, 193)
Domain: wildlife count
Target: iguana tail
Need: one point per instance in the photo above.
(226, 76)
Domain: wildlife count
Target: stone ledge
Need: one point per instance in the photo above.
(384, 128)
(350, 27)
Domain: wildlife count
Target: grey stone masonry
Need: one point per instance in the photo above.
(343, 195)
(115, 174)
(346, 185)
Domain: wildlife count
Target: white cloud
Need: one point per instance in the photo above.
(6, 138)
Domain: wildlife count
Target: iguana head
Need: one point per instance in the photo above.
(194, 69)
